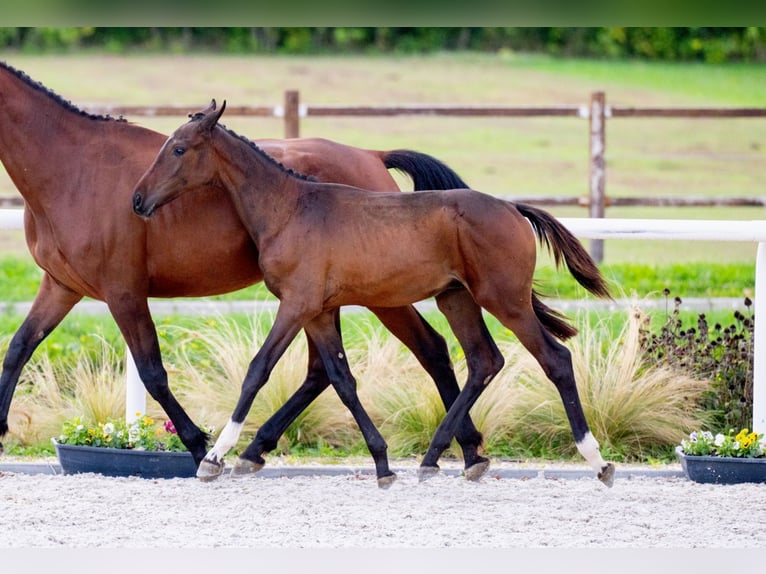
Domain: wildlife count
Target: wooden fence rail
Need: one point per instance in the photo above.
(597, 112)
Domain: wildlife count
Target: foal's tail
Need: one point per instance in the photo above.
(563, 246)
(426, 171)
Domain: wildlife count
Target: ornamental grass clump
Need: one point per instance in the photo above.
(635, 410)
(745, 444)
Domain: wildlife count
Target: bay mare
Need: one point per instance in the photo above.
(325, 245)
(76, 172)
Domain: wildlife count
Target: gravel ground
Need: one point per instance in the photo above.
(348, 511)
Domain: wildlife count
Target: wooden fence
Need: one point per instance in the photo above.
(597, 112)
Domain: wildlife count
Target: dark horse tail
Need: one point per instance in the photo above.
(427, 172)
(563, 246)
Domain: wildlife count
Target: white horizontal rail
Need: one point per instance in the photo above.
(669, 229)
(637, 229)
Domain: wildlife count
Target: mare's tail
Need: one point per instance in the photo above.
(426, 171)
(563, 246)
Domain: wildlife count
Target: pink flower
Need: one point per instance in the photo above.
(169, 428)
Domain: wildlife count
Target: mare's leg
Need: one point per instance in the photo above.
(325, 332)
(430, 349)
(556, 361)
(51, 305)
(484, 361)
(286, 326)
(135, 322)
(251, 460)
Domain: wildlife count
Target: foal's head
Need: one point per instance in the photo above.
(184, 163)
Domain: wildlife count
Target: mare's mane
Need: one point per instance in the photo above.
(66, 104)
(199, 115)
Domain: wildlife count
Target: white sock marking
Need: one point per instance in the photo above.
(226, 441)
(588, 448)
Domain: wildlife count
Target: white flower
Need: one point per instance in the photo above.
(108, 429)
(719, 438)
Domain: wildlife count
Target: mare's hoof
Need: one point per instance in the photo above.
(209, 470)
(243, 467)
(385, 482)
(426, 472)
(607, 475)
(476, 471)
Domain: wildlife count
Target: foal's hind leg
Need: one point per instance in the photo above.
(326, 334)
(556, 361)
(430, 349)
(484, 361)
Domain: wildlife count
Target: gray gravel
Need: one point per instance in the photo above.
(347, 510)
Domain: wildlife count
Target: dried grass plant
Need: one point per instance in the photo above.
(632, 408)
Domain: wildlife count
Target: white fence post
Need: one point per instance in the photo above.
(135, 392)
(759, 343)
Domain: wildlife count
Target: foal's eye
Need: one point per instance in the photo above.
(179, 151)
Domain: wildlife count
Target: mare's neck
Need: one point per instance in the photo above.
(42, 141)
(263, 192)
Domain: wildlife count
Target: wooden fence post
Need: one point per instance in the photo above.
(292, 114)
(597, 167)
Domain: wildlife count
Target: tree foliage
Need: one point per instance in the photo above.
(712, 45)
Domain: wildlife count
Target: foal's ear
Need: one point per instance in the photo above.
(211, 116)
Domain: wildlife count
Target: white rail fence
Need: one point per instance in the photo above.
(591, 228)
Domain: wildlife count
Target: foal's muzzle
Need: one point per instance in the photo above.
(139, 208)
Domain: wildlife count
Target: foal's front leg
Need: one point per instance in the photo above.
(286, 327)
(267, 437)
(324, 338)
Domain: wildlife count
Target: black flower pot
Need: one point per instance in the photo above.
(722, 469)
(125, 462)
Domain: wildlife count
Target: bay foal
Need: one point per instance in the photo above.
(326, 245)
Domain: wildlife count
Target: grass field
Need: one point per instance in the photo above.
(511, 156)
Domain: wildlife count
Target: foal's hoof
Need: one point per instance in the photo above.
(243, 467)
(477, 470)
(385, 482)
(607, 474)
(209, 470)
(426, 472)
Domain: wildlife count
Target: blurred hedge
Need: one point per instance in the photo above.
(713, 45)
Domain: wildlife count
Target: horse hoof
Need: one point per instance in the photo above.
(209, 470)
(426, 472)
(385, 482)
(243, 467)
(476, 471)
(607, 475)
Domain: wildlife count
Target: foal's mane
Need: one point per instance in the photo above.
(66, 104)
(263, 154)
